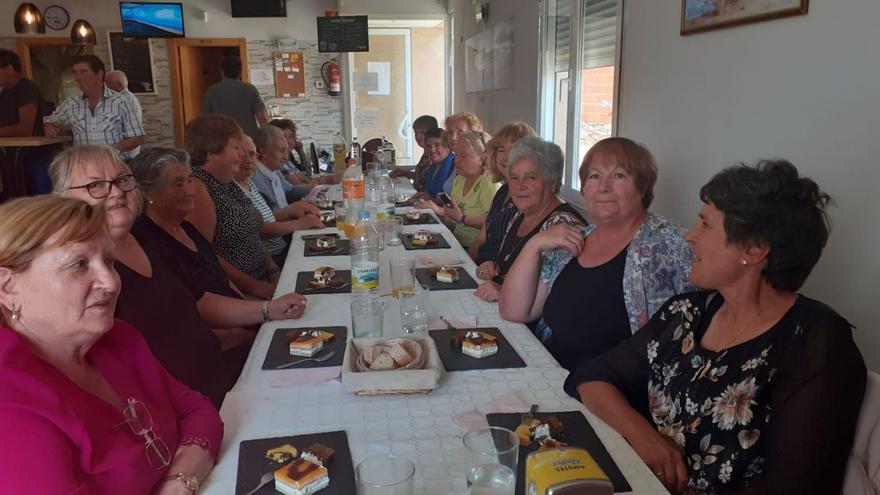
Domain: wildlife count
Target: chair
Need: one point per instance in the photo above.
(369, 151)
(862, 475)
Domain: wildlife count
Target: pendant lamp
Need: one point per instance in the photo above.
(29, 20)
(82, 33)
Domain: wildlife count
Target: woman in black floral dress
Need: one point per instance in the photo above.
(751, 387)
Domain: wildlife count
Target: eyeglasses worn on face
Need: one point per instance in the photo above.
(100, 189)
(138, 418)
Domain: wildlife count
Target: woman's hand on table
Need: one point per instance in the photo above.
(288, 306)
(664, 458)
(487, 270)
(558, 236)
(303, 207)
(309, 221)
(488, 291)
(427, 203)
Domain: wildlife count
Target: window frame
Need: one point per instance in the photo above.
(547, 90)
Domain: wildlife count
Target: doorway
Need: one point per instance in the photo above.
(48, 62)
(195, 66)
(402, 77)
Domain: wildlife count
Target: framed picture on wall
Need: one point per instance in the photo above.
(703, 15)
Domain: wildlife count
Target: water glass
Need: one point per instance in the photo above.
(491, 461)
(367, 316)
(402, 275)
(393, 226)
(385, 475)
(414, 308)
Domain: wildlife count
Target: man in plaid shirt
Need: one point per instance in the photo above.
(99, 116)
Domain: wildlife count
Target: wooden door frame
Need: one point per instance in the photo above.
(174, 64)
(24, 43)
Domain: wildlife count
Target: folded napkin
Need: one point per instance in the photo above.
(433, 261)
(476, 419)
(464, 321)
(304, 376)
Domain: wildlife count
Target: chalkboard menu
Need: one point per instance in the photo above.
(347, 33)
(135, 58)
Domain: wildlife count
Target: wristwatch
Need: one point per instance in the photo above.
(190, 482)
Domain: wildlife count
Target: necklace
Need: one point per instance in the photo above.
(741, 330)
(523, 238)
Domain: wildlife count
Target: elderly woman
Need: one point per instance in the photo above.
(598, 285)
(472, 190)
(485, 246)
(84, 405)
(535, 178)
(173, 313)
(223, 213)
(750, 387)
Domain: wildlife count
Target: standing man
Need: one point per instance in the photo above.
(99, 116)
(118, 81)
(21, 105)
(237, 100)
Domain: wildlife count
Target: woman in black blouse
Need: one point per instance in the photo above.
(534, 178)
(485, 247)
(748, 388)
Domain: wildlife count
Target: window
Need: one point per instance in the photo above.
(579, 74)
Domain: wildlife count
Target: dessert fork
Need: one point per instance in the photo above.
(270, 476)
(319, 359)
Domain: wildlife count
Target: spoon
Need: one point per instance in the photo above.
(270, 476)
(319, 359)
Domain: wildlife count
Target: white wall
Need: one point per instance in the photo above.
(391, 9)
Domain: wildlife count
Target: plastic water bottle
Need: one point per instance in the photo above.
(389, 152)
(354, 151)
(353, 195)
(364, 256)
(384, 197)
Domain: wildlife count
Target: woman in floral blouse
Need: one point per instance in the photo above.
(593, 287)
(751, 387)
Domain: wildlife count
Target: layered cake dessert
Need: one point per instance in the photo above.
(301, 477)
(284, 453)
(318, 454)
(422, 237)
(545, 430)
(325, 243)
(414, 215)
(307, 343)
(328, 216)
(323, 277)
(324, 204)
(448, 274)
(478, 344)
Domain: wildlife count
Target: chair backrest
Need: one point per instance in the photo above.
(863, 468)
(369, 151)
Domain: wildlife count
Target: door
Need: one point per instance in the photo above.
(381, 91)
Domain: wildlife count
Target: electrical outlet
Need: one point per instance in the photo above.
(320, 85)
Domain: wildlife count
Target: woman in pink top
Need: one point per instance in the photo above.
(85, 408)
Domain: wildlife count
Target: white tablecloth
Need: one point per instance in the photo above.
(419, 427)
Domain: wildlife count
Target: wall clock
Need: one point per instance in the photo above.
(56, 17)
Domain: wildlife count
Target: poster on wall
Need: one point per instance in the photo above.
(488, 59)
(703, 15)
(134, 56)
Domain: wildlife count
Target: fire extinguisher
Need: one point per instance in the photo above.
(333, 79)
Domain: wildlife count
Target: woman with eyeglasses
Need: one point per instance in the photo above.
(85, 407)
(174, 313)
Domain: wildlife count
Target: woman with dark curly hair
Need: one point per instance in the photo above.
(751, 387)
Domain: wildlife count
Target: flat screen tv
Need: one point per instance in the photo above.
(151, 20)
(259, 8)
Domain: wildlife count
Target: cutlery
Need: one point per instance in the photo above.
(270, 476)
(319, 359)
(448, 325)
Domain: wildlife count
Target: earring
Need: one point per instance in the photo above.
(150, 201)
(743, 262)
(15, 313)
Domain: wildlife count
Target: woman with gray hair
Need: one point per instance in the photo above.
(534, 178)
(595, 286)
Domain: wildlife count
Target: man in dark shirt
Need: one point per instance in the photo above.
(238, 100)
(21, 105)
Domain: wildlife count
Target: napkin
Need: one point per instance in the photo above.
(463, 321)
(434, 261)
(304, 376)
(476, 419)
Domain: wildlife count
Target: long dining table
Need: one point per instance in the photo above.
(277, 403)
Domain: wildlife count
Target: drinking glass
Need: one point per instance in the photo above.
(491, 461)
(393, 226)
(367, 315)
(414, 308)
(385, 475)
(402, 275)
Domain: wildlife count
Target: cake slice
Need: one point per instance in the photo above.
(325, 243)
(318, 454)
(322, 277)
(301, 477)
(479, 344)
(422, 237)
(283, 453)
(307, 343)
(448, 274)
(414, 215)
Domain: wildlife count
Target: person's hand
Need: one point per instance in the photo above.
(433, 206)
(665, 458)
(297, 178)
(454, 212)
(288, 306)
(488, 291)
(487, 270)
(298, 145)
(309, 221)
(302, 207)
(327, 179)
(562, 235)
(51, 130)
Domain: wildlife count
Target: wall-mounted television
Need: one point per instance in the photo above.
(259, 8)
(151, 20)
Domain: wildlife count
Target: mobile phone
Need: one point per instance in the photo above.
(445, 199)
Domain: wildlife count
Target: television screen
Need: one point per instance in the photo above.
(151, 20)
(259, 8)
